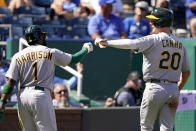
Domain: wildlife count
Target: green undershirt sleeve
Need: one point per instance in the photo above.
(78, 56)
(7, 89)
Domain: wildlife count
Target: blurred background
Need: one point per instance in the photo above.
(69, 24)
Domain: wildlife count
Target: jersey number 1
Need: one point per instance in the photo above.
(35, 68)
(167, 56)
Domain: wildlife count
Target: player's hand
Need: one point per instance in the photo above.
(102, 43)
(88, 46)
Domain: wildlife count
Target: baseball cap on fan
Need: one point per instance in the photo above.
(101, 2)
(134, 76)
(142, 4)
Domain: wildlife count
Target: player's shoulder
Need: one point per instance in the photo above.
(54, 50)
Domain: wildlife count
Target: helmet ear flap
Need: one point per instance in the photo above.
(33, 33)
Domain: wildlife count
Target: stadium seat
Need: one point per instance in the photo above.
(22, 10)
(4, 11)
(17, 31)
(77, 27)
(4, 33)
(50, 30)
(17, 20)
(33, 10)
(36, 10)
(61, 32)
(43, 3)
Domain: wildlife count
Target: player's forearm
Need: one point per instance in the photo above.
(123, 44)
(7, 89)
(192, 6)
(184, 77)
(78, 56)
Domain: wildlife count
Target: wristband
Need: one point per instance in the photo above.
(7, 89)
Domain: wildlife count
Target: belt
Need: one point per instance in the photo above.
(159, 81)
(36, 88)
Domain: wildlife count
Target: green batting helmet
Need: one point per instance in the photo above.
(33, 33)
(161, 17)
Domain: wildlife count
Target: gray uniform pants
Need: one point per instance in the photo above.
(160, 101)
(35, 110)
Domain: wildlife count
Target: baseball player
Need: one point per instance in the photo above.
(165, 69)
(34, 67)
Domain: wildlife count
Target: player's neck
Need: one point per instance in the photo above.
(165, 29)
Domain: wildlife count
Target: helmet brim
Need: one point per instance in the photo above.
(152, 17)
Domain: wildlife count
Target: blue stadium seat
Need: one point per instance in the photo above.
(61, 32)
(22, 10)
(50, 30)
(4, 33)
(25, 20)
(44, 3)
(17, 31)
(4, 11)
(33, 10)
(36, 10)
(17, 20)
(10, 20)
(77, 27)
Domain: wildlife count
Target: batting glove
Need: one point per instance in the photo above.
(88, 46)
(102, 43)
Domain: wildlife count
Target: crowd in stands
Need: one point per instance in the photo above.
(75, 19)
(88, 18)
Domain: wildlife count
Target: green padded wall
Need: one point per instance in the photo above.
(185, 120)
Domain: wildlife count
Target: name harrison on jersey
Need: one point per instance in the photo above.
(33, 56)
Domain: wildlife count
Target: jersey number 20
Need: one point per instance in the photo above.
(174, 60)
(35, 69)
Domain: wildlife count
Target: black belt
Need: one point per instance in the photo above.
(159, 81)
(36, 88)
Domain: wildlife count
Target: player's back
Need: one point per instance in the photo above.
(35, 66)
(165, 59)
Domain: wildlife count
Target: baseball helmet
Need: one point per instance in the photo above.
(161, 17)
(33, 33)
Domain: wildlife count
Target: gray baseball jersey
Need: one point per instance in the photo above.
(164, 55)
(35, 65)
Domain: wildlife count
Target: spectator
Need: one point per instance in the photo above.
(3, 3)
(129, 94)
(61, 97)
(106, 24)
(94, 5)
(64, 8)
(3, 65)
(4, 11)
(85, 12)
(138, 26)
(191, 16)
(14, 4)
(162, 4)
(71, 83)
(3, 68)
